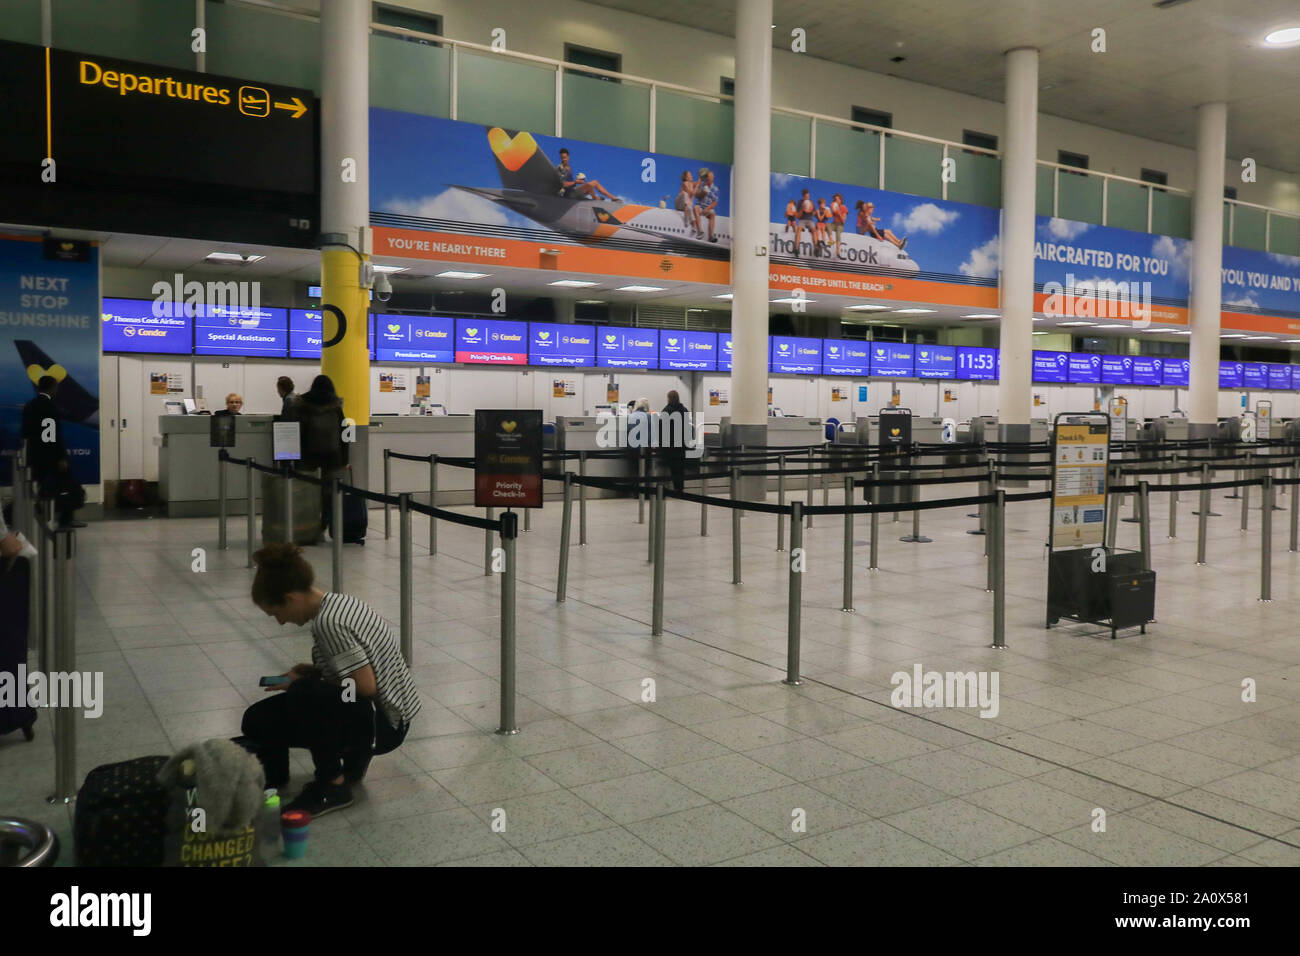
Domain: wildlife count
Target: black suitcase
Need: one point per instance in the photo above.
(15, 598)
(121, 815)
(356, 519)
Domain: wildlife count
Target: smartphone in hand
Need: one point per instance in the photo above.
(273, 681)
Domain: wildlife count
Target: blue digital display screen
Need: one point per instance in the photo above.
(1295, 376)
(1148, 370)
(1279, 376)
(977, 364)
(1051, 367)
(1230, 375)
(415, 338)
(845, 357)
(491, 342)
(1116, 370)
(1085, 368)
(724, 351)
(1254, 375)
(1177, 372)
(796, 356)
(227, 330)
(890, 360)
(692, 351)
(130, 326)
(306, 334)
(620, 347)
(936, 361)
(553, 344)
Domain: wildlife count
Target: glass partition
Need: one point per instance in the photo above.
(1079, 197)
(912, 166)
(260, 45)
(1249, 230)
(979, 178)
(1126, 205)
(791, 143)
(155, 31)
(409, 76)
(1044, 197)
(20, 21)
(691, 126)
(1284, 235)
(496, 91)
(600, 111)
(847, 155)
(1171, 215)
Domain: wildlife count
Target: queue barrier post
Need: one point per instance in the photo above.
(810, 489)
(1266, 541)
(487, 544)
(875, 519)
(65, 662)
(509, 535)
(221, 500)
(251, 492)
(1112, 513)
(1245, 496)
(640, 495)
(336, 532)
(794, 596)
(1000, 569)
(1203, 514)
(704, 505)
(47, 555)
(986, 488)
(566, 515)
(1295, 510)
(387, 484)
(735, 529)
(433, 503)
(659, 510)
(915, 537)
(582, 500)
(1144, 525)
(286, 476)
(848, 543)
(406, 585)
(1173, 503)
(780, 500)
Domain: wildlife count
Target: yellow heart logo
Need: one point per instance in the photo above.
(508, 427)
(394, 328)
(893, 432)
(34, 372)
(512, 153)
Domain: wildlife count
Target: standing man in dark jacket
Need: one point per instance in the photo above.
(674, 419)
(48, 456)
(284, 388)
(319, 413)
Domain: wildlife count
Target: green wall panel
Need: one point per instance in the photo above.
(599, 111)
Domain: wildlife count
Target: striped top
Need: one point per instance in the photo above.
(347, 635)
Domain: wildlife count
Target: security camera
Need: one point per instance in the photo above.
(383, 288)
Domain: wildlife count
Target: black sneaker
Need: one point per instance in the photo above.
(355, 765)
(320, 798)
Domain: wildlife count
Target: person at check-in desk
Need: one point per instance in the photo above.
(354, 700)
(234, 405)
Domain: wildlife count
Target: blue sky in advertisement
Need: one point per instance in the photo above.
(1064, 248)
(416, 163)
(1266, 282)
(49, 320)
(943, 237)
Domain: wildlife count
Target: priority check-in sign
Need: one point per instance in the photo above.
(507, 458)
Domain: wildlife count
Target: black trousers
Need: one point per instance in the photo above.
(313, 714)
(675, 459)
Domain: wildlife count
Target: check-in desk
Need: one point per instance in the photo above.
(447, 436)
(574, 433)
(187, 463)
(785, 432)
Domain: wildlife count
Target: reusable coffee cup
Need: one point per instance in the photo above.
(294, 828)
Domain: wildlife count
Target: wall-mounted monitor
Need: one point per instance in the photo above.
(415, 338)
(621, 347)
(795, 356)
(1148, 370)
(1117, 370)
(892, 360)
(306, 332)
(688, 351)
(130, 326)
(977, 364)
(724, 351)
(1177, 373)
(846, 357)
(1230, 375)
(1279, 377)
(491, 342)
(230, 330)
(1254, 375)
(936, 361)
(552, 344)
(1085, 368)
(1295, 377)
(1051, 367)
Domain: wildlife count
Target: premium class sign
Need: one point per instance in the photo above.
(414, 338)
(507, 458)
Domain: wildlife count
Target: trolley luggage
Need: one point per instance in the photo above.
(15, 598)
(121, 815)
(356, 519)
(306, 511)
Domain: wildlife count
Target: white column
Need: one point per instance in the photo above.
(1207, 261)
(750, 200)
(345, 114)
(1019, 182)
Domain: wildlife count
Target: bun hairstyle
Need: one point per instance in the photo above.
(281, 569)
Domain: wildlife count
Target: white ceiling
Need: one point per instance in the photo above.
(1159, 65)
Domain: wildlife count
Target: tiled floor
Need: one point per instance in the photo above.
(727, 765)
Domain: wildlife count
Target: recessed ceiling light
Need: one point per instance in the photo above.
(1121, 326)
(1279, 37)
(572, 283)
(912, 311)
(1074, 323)
(1290, 341)
(453, 274)
(725, 295)
(640, 288)
(790, 299)
(1181, 332)
(1256, 338)
(390, 268)
(1038, 318)
(867, 308)
(231, 257)
(591, 302)
(1231, 335)
(982, 315)
(1041, 333)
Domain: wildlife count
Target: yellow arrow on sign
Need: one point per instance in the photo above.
(298, 107)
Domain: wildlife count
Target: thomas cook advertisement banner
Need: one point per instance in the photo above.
(453, 191)
(49, 325)
(1261, 291)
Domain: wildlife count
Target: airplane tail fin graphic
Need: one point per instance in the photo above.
(521, 163)
(74, 403)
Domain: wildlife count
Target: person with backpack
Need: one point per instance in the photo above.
(355, 700)
(42, 428)
(319, 414)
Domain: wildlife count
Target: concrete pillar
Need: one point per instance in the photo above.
(345, 200)
(750, 199)
(1019, 182)
(1207, 261)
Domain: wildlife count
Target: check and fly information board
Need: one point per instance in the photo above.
(1081, 446)
(507, 458)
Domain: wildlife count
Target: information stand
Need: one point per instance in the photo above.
(507, 458)
(1086, 581)
(894, 440)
